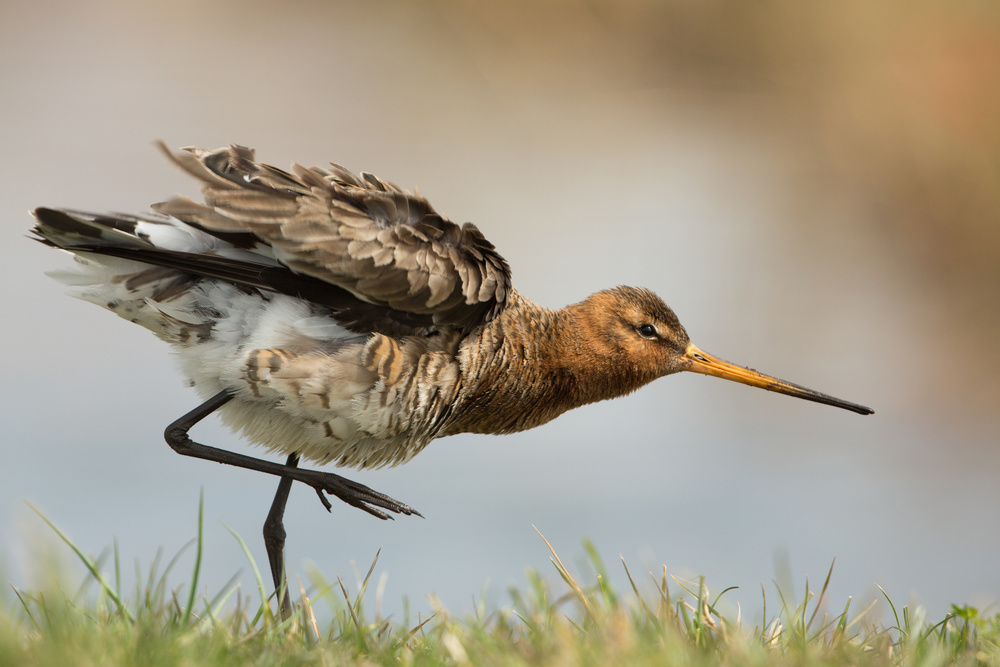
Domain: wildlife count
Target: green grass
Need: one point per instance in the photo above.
(660, 620)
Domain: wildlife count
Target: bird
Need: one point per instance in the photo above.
(339, 319)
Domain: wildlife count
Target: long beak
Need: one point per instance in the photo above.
(697, 361)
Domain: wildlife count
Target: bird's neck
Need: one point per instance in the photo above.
(592, 359)
(531, 364)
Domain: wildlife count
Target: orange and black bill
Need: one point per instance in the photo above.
(701, 362)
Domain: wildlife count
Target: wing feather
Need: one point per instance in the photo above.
(386, 246)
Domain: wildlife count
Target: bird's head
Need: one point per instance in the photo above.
(633, 337)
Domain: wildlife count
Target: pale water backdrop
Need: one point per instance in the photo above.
(810, 189)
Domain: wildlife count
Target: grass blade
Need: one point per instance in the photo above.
(564, 573)
(90, 565)
(189, 609)
(265, 607)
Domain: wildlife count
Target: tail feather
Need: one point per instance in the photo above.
(128, 260)
(65, 229)
(79, 230)
(112, 274)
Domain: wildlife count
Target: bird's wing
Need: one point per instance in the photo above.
(384, 245)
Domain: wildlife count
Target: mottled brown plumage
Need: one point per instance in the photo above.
(341, 319)
(385, 246)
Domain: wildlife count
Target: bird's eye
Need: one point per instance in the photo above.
(647, 331)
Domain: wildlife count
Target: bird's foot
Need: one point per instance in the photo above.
(354, 494)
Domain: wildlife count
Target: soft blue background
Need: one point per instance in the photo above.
(558, 136)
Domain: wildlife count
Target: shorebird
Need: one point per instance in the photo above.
(339, 319)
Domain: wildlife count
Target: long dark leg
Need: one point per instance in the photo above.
(274, 539)
(352, 493)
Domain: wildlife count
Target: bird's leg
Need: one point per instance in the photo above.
(274, 540)
(352, 493)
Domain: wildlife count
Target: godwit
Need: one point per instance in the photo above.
(340, 319)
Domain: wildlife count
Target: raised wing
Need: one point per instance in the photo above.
(384, 245)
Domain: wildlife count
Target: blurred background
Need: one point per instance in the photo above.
(812, 187)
